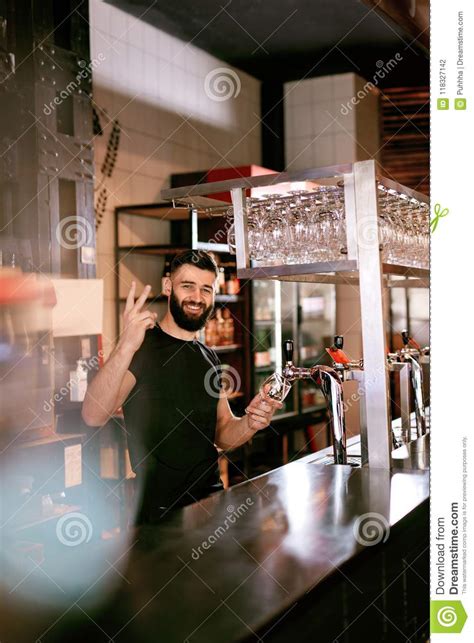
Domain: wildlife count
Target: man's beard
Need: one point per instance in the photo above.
(185, 321)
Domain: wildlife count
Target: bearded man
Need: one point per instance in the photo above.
(165, 379)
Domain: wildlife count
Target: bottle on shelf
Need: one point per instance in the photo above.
(221, 281)
(220, 323)
(228, 327)
(166, 273)
(211, 332)
(232, 285)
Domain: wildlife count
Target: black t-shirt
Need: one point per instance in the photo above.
(170, 418)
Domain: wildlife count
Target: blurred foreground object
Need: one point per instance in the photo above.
(26, 361)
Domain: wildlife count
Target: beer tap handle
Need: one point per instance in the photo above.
(288, 347)
(336, 352)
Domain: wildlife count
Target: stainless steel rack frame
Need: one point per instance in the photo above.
(363, 266)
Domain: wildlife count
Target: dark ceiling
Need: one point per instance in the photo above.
(290, 39)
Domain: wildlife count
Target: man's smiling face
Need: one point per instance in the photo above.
(191, 293)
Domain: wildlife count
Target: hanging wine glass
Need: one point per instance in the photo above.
(231, 239)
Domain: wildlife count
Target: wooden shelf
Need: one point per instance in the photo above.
(155, 211)
(220, 299)
(271, 322)
(50, 439)
(262, 369)
(153, 249)
(228, 299)
(227, 348)
(160, 250)
(313, 409)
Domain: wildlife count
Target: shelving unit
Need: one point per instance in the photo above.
(362, 265)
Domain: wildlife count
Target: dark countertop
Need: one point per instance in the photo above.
(201, 578)
(414, 456)
(233, 564)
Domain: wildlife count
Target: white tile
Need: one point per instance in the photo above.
(296, 153)
(324, 151)
(119, 188)
(303, 120)
(344, 85)
(322, 89)
(288, 97)
(321, 119)
(290, 123)
(150, 39)
(345, 149)
(118, 23)
(99, 16)
(106, 270)
(305, 92)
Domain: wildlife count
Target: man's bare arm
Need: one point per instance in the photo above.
(112, 384)
(109, 388)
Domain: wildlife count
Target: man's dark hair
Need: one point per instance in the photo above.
(199, 258)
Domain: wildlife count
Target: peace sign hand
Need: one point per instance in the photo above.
(135, 321)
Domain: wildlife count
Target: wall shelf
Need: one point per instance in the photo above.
(226, 348)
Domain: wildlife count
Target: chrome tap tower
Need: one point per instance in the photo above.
(331, 385)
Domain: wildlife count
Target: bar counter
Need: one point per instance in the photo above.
(273, 555)
(293, 534)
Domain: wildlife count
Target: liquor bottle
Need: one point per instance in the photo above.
(228, 328)
(211, 332)
(166, 273)
(220, 331)
(232, 285)
(221, 281)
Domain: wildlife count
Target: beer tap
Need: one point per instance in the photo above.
(341, 362)
(351, 370)
(329, 380)
(411, 353)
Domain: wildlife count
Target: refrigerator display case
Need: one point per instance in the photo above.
(287, 310)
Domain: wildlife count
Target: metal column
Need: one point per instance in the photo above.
(376, 439)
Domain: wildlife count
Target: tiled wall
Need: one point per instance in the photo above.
(156, 86)
(323, 126)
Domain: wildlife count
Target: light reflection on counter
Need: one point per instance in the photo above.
(401, 487)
